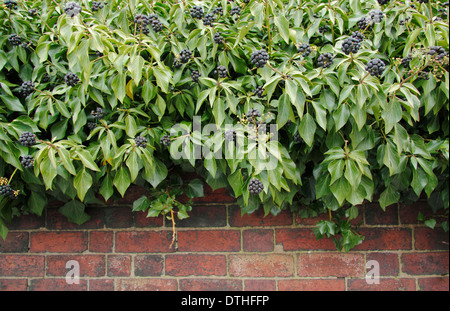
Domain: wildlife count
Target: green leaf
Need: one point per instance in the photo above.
(37, 203)
(195, 188)
(122, 180)
(74, 211)
(307, 129)
(283, 26)
(430, 223)
(82, 182)
(141, 204)
(107, 190)
(87, 160)
(388, 196)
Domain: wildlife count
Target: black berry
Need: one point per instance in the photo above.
(323, 29)
(185, 55)
(383, 2)
(195, 75)
(14, 40)
(222, 71)
(97, 113)
(376, 16)
(305, 49)
(97, 5)
(10, 4)
(364, 23)
(27, 161)
(259, 91)
(165, 140)
(71, 79)
(351, 45)
(27, 139)
(27, 88)
(218, 38)
(235, 11)
(141, 141)
(230, 135)
(325, 60)
(375, 67)
(255, 186)
(357, 35)
(259, 58)
(218, 10)
(72, 9)
(197, 12)
(209, 19)
(253, 113)
(405, 61)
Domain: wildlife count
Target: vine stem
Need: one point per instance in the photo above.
(276, 70)
(173, 228)
(269, 45)
(10, 178)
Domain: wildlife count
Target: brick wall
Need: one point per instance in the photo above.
(218, 249)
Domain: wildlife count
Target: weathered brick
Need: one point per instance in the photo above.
(13, 285)
(15, 242)
(101, 284)
(257, 218)
(220, 195)
(119, 265)
(203, 216)
(386, 284)
(146, 284)
(260, 285)
(26, 222)
(90, 265)
(296, 239)
(184, 265)
(434, 284)
(101, 241)
(57, 221)
(257, 240)
(118, 217)
(148, 265)
(389, 263)
(142, 221)
(59, 242)
(257, 265)
(22, 265)
(210, 285)
(374, 214)
(143, 241)
(209, 241)
(385, 239)
(54, 284)
(330, 264)
(312, 285)
(425, 263)
(430, 239)
(408, 212)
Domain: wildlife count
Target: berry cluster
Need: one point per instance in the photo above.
(209, 19)
(259, 91)
(98, 5)
(10, 4)
(156, 24)
(376, 16)
(297, 138)
(27, 161)
(6, 190)
(195, 74)
(185, 55)
(357, 35)
(27, 139)
(364, 23)
(402, 22)
(423, 1)
(235, 11)
(218, 38)
(323, 29)
(141, 141)
(405, 61)
(375, 67)
(255, 186)
(165, 140)
(253, 113)
(97, 113)
(72, 9)
(142, 20)
(71, 79)
(91, 125)
(437, 52)
(222, 71)
(14, 40)
(218, 10)
(305, 49)
(197, 12)
(230, 135)
(32, 12)
(27, 88)
(351, 45)
(325, 60)
(259, 58)
(383, 2)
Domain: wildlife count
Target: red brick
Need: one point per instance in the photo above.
(270, 265)
(297, 239)
(258, 240)
(148, 265)
(119, 265)
(143, 241)
(184, 265)
(312, 285)
(101, 285)
(142, 221)
(57, 221)
(330, 264)
(434, 284)
(260, 285)
(389, 263)
(430, 239)
(386, 284)
(425, 263)
(210, 285)
(408, 213)
(257, 218)
(13, 285)
(59, 242)
(90, 265)
(203, 216)
(101, 241)
(375, 215)
(26, 222)
(385, 239)
(21, 265)
(209, 241)
(220, 195)
(56, 285)
(16, 242)
(146, 284)
(118, 217)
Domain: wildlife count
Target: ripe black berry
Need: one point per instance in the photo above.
(27, 88)
(325, 60)
(253, 113)
(351, 45)
(72, 9)
(218, 38)
(406, 60)
(185, 55)
(97, 113)
(376, 16)
(165, 140)
(364, 23)
(176, 63)
(222, 71)
(323, 29)
(423, 1)
(97, 5)
(141, 141)
(218, 10)
(14, 40)
(235, 11)
(297, 138)
(424, 75)
(375, 67)
(32, 12)
(6, 190)
(259, 91)
(71, 79)
(27, 139)
(156, 24)
(10, 4)
(197, 12)
(230, 135)
(305, 49)
(383, 2)
(91, 125)
(255, 186)
(437, 52)
(209, 19)
(357, 35)
(195, 75)
(27, 161)
(259, 58)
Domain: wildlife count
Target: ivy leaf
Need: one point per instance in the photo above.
(388, 196)
(307, 129)
(74, 211)
(195, 188)
(122, 180)
(82, 183)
